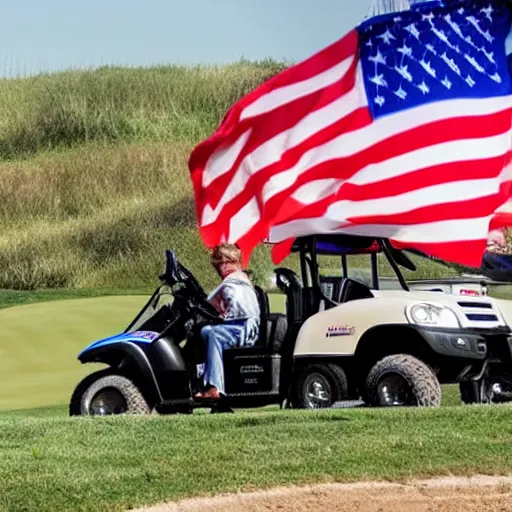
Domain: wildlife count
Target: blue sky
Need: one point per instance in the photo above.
(47, 35)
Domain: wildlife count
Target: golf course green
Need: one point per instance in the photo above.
(41, 342)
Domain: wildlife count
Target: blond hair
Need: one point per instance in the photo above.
(225, 251)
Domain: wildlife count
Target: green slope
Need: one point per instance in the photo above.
(39, 345)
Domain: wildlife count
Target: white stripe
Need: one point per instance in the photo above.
(347, 144)
(421, 198)
(243, 220)
(444, 153)
(271, 151)
(338, 213)
(223, 160)
(432, 232)
(350, 144)
(288, 93)
(317, 190)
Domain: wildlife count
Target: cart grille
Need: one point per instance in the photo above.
(480, 314)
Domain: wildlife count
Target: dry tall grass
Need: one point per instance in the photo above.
(94, 184)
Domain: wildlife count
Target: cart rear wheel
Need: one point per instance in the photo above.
(320, 386)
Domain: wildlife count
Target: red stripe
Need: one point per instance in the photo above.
(468, 253)
(282, 250)
(430, 176)
(283, 119)
(501, 220)
(472, 208)
(343, 168)
(231, 124)
(431, 134)
(268, 126)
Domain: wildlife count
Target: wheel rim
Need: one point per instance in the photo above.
(108, 401)
(395, 390)
(317, 391)
(496, 386)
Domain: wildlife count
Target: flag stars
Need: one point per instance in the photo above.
(405, 50)
(380, 100)
(489, 55)
(428, 17)
(387, 37)
(379, 80)
(474, 63)
(488, 12)
(470, 81)
(431, 48)
(400, 93)
(413, 30)
(451, 63)
(496, 77)
(488, 36)
(378, 58)
(403, 72)
(428, 67)
(441, 35)
(446, 82)
(424, 88)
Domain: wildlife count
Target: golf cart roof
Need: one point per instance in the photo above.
(338, 244)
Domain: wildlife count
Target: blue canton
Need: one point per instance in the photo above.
(435, 51)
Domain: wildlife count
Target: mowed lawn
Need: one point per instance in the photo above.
(40, 342)
(54, 463)
(50, 462)
(39, 345)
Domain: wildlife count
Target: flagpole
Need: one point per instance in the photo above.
(379, 7)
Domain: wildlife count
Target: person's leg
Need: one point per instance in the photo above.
(218, 338)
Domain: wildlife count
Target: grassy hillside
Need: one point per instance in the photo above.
(94, 184)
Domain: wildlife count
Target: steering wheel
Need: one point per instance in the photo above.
(187, 277)
(182, 274)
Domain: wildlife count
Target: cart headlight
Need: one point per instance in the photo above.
(428, 313)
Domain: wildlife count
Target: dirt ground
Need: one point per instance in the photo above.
(478, 493)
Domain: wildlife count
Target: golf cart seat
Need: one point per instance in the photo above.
(255, 370)
(344, 289)
(272, 329)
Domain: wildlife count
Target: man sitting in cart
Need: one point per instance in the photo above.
(237, 303)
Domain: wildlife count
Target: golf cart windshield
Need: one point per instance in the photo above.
(157, 309)
(158, 306)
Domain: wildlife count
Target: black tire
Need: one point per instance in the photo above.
(327, 382)
(409, 381)
(120, 393)
(467, 393)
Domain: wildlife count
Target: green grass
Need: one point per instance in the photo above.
(11, 298)
(94, 183)
(56, 464)
(40, 344)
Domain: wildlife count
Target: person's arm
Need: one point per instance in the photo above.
(227, 300)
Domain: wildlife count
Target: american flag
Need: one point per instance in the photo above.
(401, 129)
